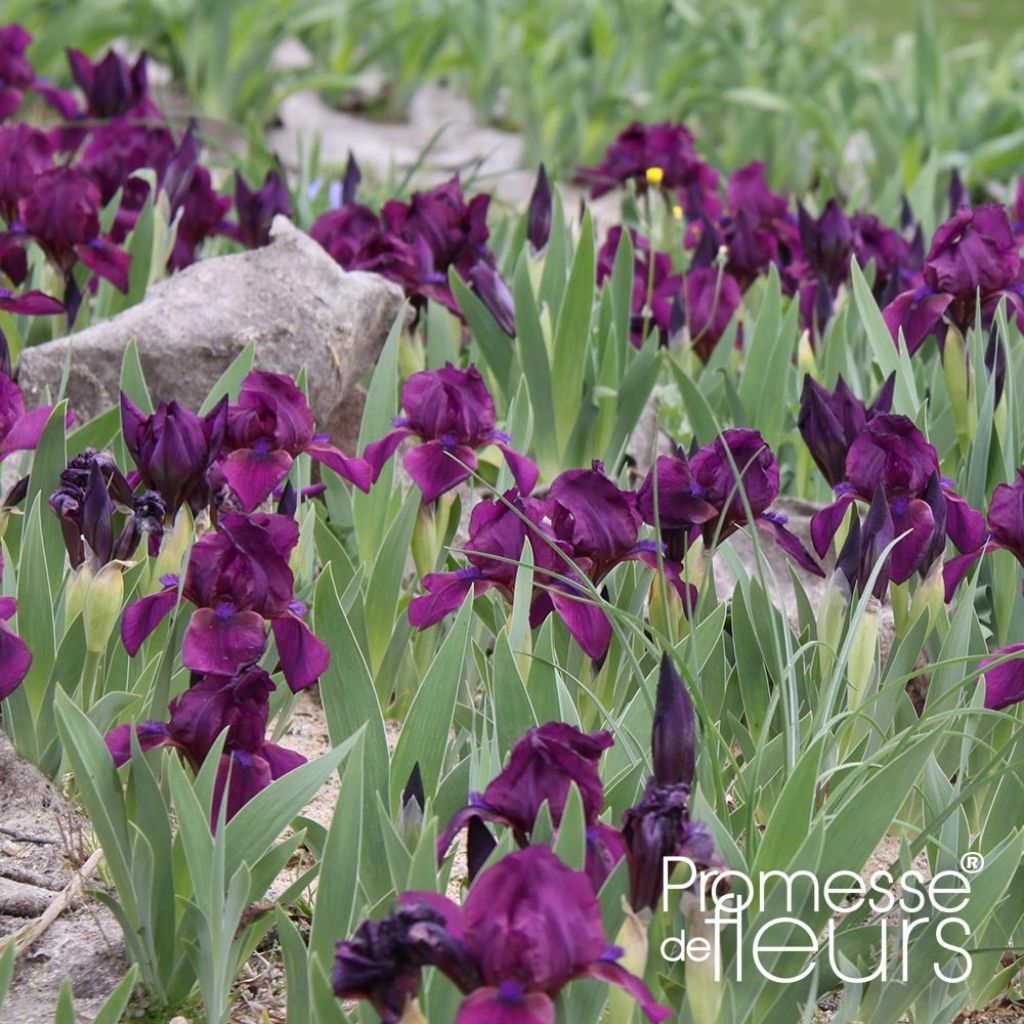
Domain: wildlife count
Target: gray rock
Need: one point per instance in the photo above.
(290, 297)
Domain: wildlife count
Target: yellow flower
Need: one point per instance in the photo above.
(655, 175)
(677, 211)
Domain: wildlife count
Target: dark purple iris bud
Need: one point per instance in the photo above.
(681, 508)
(15, 657)
(90, 486)
(974, 253)
(893, 455)
(480, 844)
(830, 421)
(237, 577)
(1004, 677)
(181, 168)
(350, 183)
(674, 732)
(452, 413)
(257, 208)
(1005, 531)
(16, 73)
(865, 545)
(959, 195)
(203, 213)
(112, 87)
(240, 705)
(146, 520)
(33, 303)
(25, 153)
(529, 926)
(269, 426)
(382, 963)
(542, 766)
(62, 216)
(492, 291)
(538, 222)
(654, 287)
(659, 827)
(173, 449)
(712, 299)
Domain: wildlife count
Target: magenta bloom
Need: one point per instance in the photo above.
(712, 299)
(667, 146)
(452, 413)
(237, 577)
(16, 73)
(715, 481)
(173, 449)
(15, 657)
(496, 538)
(272, 424)
(62, 216)
(541, 768)
(892, 455)
(445, 231)
(240, 704)
(1004, 684)
(682, 510)
(529, 926)
(973, 252)
(1005, 531)
(19, 430)
(830, 421)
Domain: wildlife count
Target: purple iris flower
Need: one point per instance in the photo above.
(25, 152)
(712, 298)
(1004, 684)
(240, 704)
(111, 86)
(92, 489)
(656, 288)
(538, 218)
(15, 657)
(445, 231)
(826, 243)
(497, 532)
(452, 413)
(61, 215)
(529, 926)
(681, 510)
(257, 208)
(830, 421)
(715, 481)
(237, 576)
(1005, 531)
(974, 253)
(897, 261)
(355, 239)
(269, 426)
(890, 453)
(667, 146)
(16, 73)
(542, 766)
(173, 449)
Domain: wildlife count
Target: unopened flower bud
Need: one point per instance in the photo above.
(102, 606)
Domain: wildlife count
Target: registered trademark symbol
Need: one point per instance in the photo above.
(972, 862)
